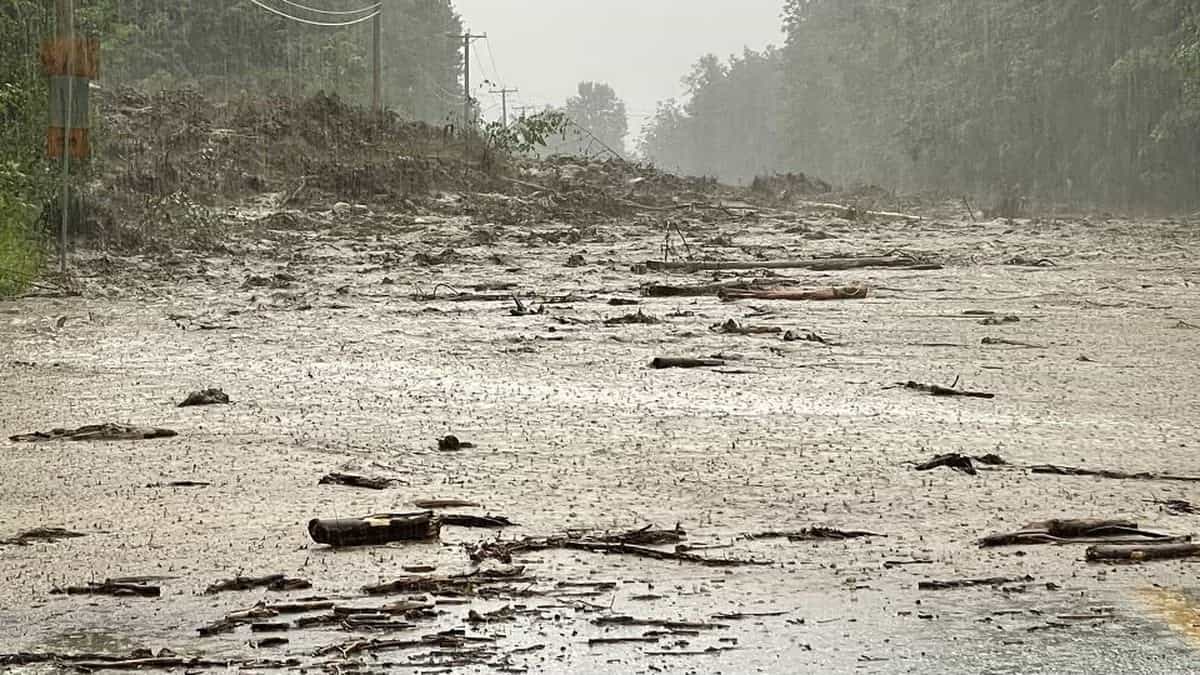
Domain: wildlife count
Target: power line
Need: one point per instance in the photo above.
(492, 58)
(317, 23)
(327, 12)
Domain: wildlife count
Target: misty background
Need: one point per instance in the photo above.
(1090, 102)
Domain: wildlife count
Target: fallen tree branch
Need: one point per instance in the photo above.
(1104, 473)
(48, 535)
(352, 480)
(938, 390)
(95, 432)
(273, 582)
(934, 585)
(633, 542)
(110, 587)
(813, 294)
(1142, 552)
(1070, 530)
(960, 462)
(814, 534)
(812, 264)
(851, 213)
(663, 362)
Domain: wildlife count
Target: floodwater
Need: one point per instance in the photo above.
(342, 369)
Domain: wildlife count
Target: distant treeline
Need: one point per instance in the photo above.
(225, 47)
(1082, 101)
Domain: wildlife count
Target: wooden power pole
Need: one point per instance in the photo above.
(377, 63)
(64, 11)
(504, 103)
(468, 118)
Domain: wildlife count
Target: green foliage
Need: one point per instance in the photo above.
(528, 134)
(1076, 100)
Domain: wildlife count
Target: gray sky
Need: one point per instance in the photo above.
(641, 47)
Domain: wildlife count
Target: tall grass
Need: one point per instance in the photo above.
(21, 251)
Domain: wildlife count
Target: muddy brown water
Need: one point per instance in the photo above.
(574, 431)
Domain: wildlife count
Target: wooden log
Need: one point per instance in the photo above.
(113, 588)
(464, 520)
(813, 264)
(938, 390)
(1104, 473)
(662, 362)
(274, 582)
(936, 585)
(815, 294)
(353, 480)
(852, 213)
(373, 530)
(1142, 552)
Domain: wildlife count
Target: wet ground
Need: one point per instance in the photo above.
(341, 368)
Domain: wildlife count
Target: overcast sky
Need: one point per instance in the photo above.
(641, 47)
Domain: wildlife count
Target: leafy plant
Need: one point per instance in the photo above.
(528, 134)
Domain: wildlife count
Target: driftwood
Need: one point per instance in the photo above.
(814, 534)
(738, 616)
(1142, 552)
(662, 362)
(141, 659)
(933, 585)
(635, 542)
(938, 390)
(732, 327)
(180, 483)
(1009, 343)
(272, 582)
(637, 318)
(111, 587)
(794, 335)
(376, 529)
(657, 623)
(813, 264)
(960, 462)
(1176, 506)
(1102, 473)
(668, 291)
(234, 619)
(459, 584)
(852, 213)
(205, 397)
(621, 640)
(463, 520)
(816, 294)
(401, 607)
(445, 640)
(95, 432)
(1080, 531)
(352, 480)
(644, 552)
(40, 534)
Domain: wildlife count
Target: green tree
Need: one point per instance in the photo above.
(597, 109)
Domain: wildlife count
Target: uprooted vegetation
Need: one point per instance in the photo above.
(177, 170)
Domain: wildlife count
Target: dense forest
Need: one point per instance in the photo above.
(223, 48)
(1078, 101)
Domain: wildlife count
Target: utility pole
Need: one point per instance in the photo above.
(504, 102)
(64, 11)
(377, 63)
(468, 122)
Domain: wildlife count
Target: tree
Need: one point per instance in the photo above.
(1086, 101)
(597, 110)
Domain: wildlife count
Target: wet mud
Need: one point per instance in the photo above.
(341, 354)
